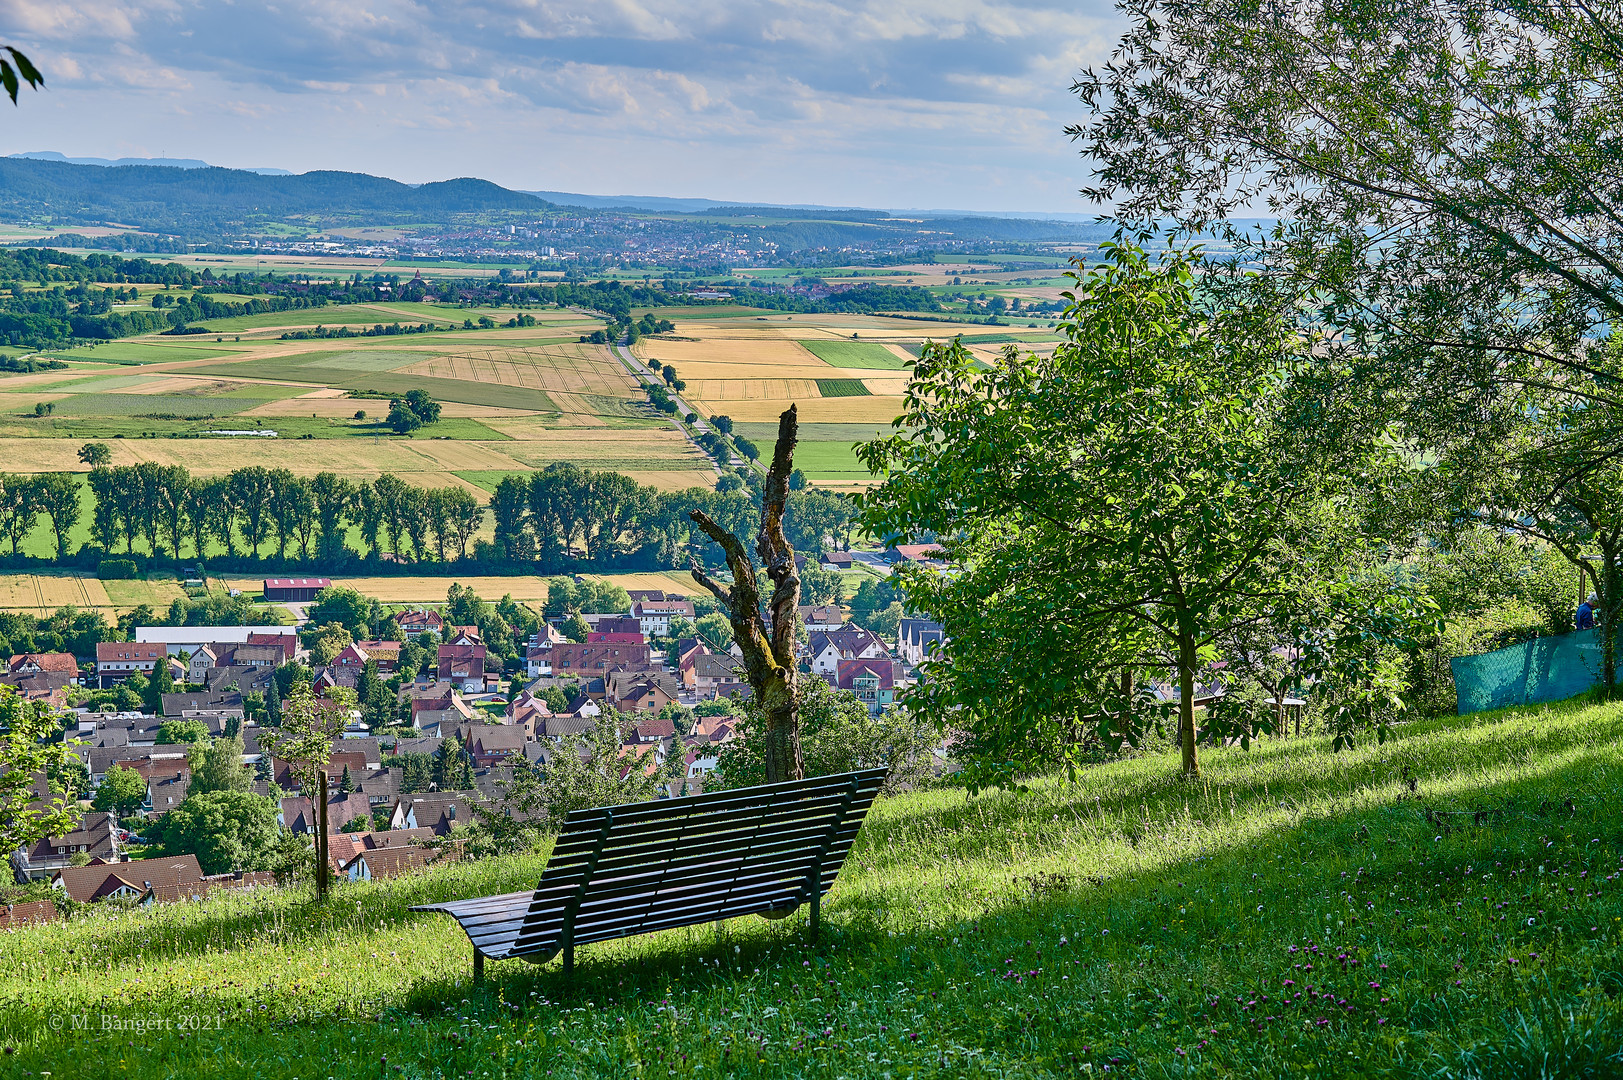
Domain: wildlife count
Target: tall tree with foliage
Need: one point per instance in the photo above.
(1115, 507)
(305, 740)
(19, 507)
(217, 766)
(59, 501)
(30, 749)
(122, 791)
(1448, 184)
(766, 636)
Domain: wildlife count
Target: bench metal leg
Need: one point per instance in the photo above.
(816, 913)
(569, 960)
(478, 967)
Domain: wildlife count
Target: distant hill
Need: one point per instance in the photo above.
(162, 162)
(211, 201)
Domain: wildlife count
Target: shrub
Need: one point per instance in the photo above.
(116, 569)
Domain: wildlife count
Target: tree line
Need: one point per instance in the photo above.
(561, 518)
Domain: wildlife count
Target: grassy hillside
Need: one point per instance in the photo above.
(1405, 910)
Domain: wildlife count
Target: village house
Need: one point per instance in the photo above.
(836, 560)
(414, 624)
(826, 649)
(617, 630)
(200, 663)
(872, 681)
(463, 666)
(526, 712)
(50, 687)
(917, 638)
(919, 554)
(118, 660)
(439, 812)
(651, 730)
(597, 658)
(538, 654)
(490, 744)
(712, 675)
(824, 617)
(35, 913)
(137, 880)
(640, 691)
(59, 663)
(386, 862)
(96, 837)
(654, 616)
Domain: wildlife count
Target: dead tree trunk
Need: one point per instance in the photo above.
(768, 643)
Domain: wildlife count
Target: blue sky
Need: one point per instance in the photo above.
(895, 103)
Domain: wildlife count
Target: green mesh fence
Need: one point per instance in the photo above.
(1544, 669)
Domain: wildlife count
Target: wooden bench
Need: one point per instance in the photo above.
(622, 870)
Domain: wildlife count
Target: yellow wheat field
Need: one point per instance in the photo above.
(47, 592)
(763, 351)
(431, 590)
(750, 389)
(333, 405)
(843, 410)
(304, 457)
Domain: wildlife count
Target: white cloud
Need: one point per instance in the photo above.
(883, 102)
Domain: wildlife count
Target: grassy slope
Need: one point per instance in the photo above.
(1130, 920)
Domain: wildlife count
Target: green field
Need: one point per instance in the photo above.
(826, 452)
(841, 388)
(137, 352)
(487, 479)
(1293, 913)
(855, 354)
(306, 369)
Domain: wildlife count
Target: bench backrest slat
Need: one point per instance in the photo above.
(682, 862)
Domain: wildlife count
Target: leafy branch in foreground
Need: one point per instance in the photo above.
(16, 71)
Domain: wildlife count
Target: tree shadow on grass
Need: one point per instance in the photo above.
(1129, 924)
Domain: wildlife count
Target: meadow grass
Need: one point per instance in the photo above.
(1401, 910)
(855, 354)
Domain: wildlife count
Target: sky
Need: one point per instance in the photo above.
(883, 103)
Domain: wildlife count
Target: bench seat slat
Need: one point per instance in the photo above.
(677, 862)
(739, 820)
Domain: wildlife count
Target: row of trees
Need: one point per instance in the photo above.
(168, 510)
(561, 517)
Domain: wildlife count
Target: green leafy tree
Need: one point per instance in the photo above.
(227, 830)
(304, 740)
(95, 453)
(453, 766)
(59, 500)
(122, 791)
(715, 631)
(162, 682)
(19, 508)
(326, 642)
(585, 772)
(1144, 490)
(217, 766)
(187, 732)
(837, 734)
(29, 748)
(352, 610)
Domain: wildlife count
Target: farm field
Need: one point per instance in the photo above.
(42, 593)
(513, 399)
(1294, 913)
(430, 589)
